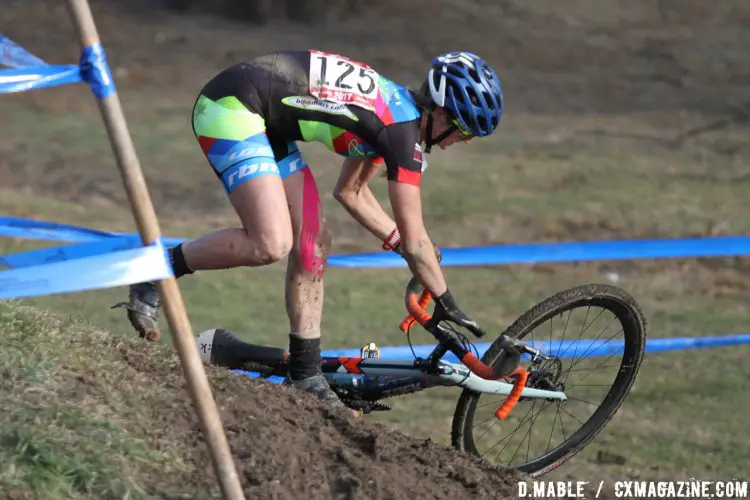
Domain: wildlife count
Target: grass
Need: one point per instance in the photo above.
(69, 425)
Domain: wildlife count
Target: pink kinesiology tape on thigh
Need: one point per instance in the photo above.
(310, 225)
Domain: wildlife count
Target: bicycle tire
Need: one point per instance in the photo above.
(611, 298)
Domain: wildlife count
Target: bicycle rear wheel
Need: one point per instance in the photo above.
(592, 401)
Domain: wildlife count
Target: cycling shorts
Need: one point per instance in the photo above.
(236, 144)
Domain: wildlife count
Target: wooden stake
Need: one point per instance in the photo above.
(148, 226)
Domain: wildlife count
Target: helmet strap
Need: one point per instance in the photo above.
(428, 134)
(439, 138)
(429, 141)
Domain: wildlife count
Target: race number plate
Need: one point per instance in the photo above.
(338, 79)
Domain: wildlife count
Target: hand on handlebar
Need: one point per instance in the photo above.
(446, 309)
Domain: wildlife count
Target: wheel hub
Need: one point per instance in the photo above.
(547, 376)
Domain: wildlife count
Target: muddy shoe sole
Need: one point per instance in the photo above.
(146, 327)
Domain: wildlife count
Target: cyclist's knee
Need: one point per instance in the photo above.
(274, 247)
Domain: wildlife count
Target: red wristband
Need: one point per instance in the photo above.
(392, 241)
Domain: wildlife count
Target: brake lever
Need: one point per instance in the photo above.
(476, 330)
(440, 315)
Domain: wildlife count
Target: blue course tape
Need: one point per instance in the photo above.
(69, 252)
(469, 256)
(95, 71)
(118, 268)
(564, 252)
(77, 251)
(29, 72)
(15, 56)
(52, 231)
(566, 349)
(92, 242)
(21, 79)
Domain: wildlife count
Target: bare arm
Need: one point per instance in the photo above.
(417, 247)
(355, 195)
(353, 192)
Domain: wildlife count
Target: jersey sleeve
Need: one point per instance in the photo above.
(398, 144)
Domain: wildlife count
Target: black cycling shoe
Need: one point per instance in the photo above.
(317, 385)
(143, 309)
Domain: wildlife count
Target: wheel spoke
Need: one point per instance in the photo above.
(562, 428)
(576, 363)
(595, 368)
(583, 401)
(552, 431)
(507, 436)
(592, 347)
(558, 373)
(566, 411)
(528, 432)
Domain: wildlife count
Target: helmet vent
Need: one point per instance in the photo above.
(473, 96)
(482, 122)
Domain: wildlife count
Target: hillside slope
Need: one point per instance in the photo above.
(87, 414)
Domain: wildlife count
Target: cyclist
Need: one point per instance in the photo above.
(247, 120)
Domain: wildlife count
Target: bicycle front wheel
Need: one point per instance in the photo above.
(595, 370)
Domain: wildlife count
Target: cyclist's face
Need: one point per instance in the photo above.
(442, 121)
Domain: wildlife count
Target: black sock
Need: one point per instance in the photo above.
(304, 357)
(177, 260)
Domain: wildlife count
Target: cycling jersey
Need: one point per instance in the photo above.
(249, 116)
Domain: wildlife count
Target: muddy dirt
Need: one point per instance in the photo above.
(289, 445)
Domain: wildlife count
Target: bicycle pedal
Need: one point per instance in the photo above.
(370, 351)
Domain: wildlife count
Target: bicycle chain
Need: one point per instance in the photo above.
(365, 406)
(370, 406)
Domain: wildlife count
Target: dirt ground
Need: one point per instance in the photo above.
(292, 446)
(289, 445)
(286, 443)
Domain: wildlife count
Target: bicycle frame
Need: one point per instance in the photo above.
(367, 379)
(508, 367)
(373, 379)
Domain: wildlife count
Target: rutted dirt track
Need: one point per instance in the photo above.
(121, 406)
(289, 446)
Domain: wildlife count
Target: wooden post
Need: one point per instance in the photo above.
(148, 226)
